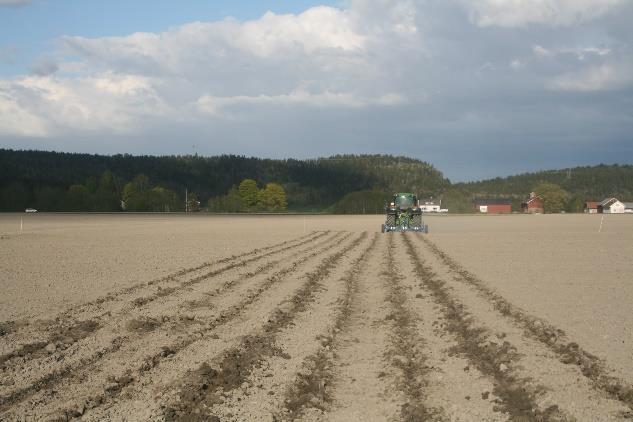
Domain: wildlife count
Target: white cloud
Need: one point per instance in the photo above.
(16, 119)
(323, 57)
(581, 53)
(319, 30)
(48, 105)
(595, 78)
(45, 66)
(540, 51)
(517, 64)
(520, 13)
(215, 105)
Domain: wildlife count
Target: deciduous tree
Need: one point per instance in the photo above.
(248, 194)
(554, 197)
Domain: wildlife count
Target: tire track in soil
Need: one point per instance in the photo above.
(312, 387)
(568, 351)
(562, 384)
(406, 353)
(65, 335)
(517, 397)
(462, 391)
(146, 326)
(53, 379)
(359, 372)
(202, 388)
(69, 326)
(10, 327)
(148, 391)
(259, 398)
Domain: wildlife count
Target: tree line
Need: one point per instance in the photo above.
(107, 193)
(53, 181)
(41, 179)
(587, 183)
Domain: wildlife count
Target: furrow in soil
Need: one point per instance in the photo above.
(141, 319)
(407, 354)
(172, 313)
(563, 379)
(132, 356)
(204, 391)
(454, 385)
(517, 396)
(311, 393)
(31, 339)
(362, 390)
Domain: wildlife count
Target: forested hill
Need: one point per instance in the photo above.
(590, 183)
(42, 179)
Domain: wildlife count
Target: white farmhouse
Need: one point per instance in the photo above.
(611, 206)
(430, 206)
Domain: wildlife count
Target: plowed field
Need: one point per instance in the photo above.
(318, 319)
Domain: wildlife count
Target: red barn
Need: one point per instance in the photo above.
(493, 206)
(533, 205)
(591, 207)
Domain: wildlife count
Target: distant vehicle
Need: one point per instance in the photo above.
(30, 210)
(404, 214)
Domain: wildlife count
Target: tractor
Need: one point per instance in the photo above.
(404, 214)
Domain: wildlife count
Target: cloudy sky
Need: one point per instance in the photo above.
(478, 88)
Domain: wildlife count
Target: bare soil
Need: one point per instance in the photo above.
(320, 318)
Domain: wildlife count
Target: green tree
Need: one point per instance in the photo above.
(272, 198)
(457, 201)
(162, 200)
(78, 198)
(554, 197)
(107, 195)
(15, 197)
(249, 194)
(231, 202)
(362, 202)
(575, 204)
(129, 192)
(136, 195)
(91, 184)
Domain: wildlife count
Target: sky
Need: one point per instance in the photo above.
(478, 88)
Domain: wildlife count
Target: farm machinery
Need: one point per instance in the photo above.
(404, 214)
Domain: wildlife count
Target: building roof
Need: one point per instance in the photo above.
(591, 205)
(608, 202)
(534, 198)
(493, 201)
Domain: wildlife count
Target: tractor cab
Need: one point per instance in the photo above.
(404, 201)
(404, 214)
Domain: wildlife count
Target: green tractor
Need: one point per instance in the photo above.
(404, 214)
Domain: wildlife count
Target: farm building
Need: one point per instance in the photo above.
(628, 207)
(493, 206)
(533, 205)
(430, 206)
(611, 206)
(591, 207)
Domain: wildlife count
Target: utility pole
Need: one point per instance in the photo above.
(186, 200)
